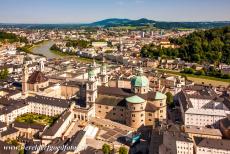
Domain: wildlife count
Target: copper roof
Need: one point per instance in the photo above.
(37, 77)
(123, 92)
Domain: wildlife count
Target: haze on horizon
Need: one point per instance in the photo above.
(86, 11)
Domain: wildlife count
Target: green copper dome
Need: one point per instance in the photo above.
(140, 81)
(160, 96)
(135, 99)
(91, 73)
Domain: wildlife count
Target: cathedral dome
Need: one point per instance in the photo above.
(135, 99)
(140, 80)
(91, 73)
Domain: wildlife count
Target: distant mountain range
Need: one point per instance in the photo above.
(123, 22)
(158, 24)
(114, 22)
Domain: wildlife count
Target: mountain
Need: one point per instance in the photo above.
(112, 21)
(122, 22)
(115, 22)
(199, 25)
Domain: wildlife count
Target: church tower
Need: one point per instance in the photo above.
(103, 73)
(41, 66)
(25, 74)
(91, 85)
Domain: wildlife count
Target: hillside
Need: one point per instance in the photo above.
(9, 37)
(122, 22)
(210, 46)
(158, 24)
(116, 22)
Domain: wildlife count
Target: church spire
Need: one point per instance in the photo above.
(25, 74)
(103, 73)
(41, 66)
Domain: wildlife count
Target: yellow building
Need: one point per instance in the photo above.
(134, 107)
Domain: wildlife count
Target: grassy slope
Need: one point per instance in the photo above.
(199, 78)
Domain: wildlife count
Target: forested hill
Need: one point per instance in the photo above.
(210, 46)
(116, 22)
(10, 37)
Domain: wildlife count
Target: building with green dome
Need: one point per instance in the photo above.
(139, 83)
(91, 85)
(136, 107)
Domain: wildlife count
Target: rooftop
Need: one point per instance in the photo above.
(135, 99)
(160, 96)
(37, 77)
(212, 143)
(202, 130)
(55, 127)
(49, 101)
(140, 81)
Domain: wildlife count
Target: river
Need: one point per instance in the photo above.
(44, 49)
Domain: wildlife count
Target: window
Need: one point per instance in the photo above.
(133, 115)
(133, 120)
(161, 104)
(99, 106)
(161, 111)
(114, 113)
(122, 115)
(121, 110)
(114, 109)
(150, 114)
(150, 119)
(142, 115)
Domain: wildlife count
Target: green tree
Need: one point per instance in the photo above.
(4, 73)
(210, 46)
(123, 150)
(200, 72)
(169, 99)
(188, 71)
(106, 149)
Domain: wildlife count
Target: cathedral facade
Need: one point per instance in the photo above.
(135, 107)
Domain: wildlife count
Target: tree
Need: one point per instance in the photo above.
(188, 71)
(4, 73)
(169, 99)
(210, 46)
(123, 150)
(106, 149)
(200, 72)
(226, 76)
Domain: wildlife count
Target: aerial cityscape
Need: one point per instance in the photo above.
(115, 77)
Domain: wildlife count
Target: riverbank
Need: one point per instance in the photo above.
(43, 48)
(73, 56)
(29, 48)
(199, 79)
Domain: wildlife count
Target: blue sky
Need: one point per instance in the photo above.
(84, 11)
